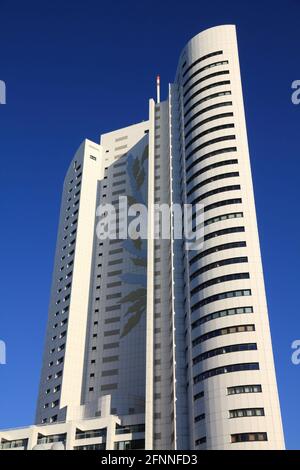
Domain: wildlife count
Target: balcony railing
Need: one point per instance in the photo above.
(14, 444)
(51, 439)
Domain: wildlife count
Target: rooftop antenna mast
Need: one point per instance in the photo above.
(158, 89)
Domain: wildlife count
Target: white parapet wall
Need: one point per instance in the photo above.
(107, 433)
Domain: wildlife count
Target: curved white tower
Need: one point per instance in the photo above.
(233, 399)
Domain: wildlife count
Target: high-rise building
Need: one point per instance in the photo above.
(149, 344)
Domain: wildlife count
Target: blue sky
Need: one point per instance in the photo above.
(76, 69)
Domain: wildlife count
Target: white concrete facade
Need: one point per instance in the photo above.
(104, 433)
(173, 344)
(229, 342)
